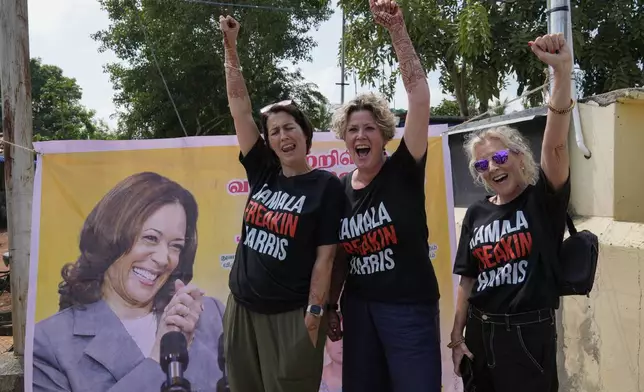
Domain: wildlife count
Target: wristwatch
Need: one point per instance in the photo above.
(315, 310)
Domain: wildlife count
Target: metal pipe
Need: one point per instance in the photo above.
(560, 21)
(576, 119)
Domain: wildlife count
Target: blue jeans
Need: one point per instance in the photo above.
(390, 347)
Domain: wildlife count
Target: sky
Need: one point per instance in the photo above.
(60, 34)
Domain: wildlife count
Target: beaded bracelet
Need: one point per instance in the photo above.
(562, 111)
(456, 343)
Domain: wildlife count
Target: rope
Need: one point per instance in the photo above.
(156, 63)
(22, 147)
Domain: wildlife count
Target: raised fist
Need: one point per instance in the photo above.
(553, 50)
(386, 13)
(230, 27)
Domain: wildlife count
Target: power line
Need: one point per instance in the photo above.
(156, 63)
(233, 5)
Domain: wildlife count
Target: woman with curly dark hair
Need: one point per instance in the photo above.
(129, 287)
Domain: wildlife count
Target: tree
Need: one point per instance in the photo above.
(447, 107)
(477, 44)
(609, 44)
(184, 39)
(57, 111)
(452, 36)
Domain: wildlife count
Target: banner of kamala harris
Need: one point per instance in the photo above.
(92, 198)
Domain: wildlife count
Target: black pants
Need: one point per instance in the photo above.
(512, 352)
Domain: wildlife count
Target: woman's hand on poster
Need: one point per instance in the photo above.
(386, 13)
(184, 309)
(457, 356)
(312, 324)
(335, 327)
(181, 314)
(553, 50)
(230, 27)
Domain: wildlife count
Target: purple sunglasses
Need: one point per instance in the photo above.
(500, 157)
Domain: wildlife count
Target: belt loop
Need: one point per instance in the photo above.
(469, 311)
(539, 314)
(552, 317)
(507, 322)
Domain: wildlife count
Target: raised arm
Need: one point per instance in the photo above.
(553, 50)
(238, 99)
(388, 14)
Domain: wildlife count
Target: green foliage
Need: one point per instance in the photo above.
(57, 111)
(447, 107)
(468, 42)
(473, 31)
(477, 44)
(187, 42)
(609, 44)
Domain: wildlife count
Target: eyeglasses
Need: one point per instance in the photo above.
(499, 157)
(280, 103)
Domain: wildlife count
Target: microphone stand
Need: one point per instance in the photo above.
(174, 361)
(180, 385)
(175, 381)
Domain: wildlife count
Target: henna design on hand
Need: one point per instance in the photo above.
(390, 16)
(411, 69)
(235, 84)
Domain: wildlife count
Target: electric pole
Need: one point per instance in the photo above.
(342, 54)
(17, 126)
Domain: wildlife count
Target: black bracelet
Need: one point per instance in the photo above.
(333, 307)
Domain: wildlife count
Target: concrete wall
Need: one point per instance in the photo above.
(11, 374)
(611, 183)
(592, 180)
(601, 338)
(629, 160)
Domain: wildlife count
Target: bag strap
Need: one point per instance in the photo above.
(548, 256)
(572, 230)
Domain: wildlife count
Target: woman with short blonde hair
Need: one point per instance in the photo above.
(507, 295)
(390, 301)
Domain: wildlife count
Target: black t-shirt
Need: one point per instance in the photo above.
(284, 222)
(502, 247)
(384, 231)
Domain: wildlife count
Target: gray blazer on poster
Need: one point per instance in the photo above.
(89, 350)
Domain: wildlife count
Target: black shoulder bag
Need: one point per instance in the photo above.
(577, 261)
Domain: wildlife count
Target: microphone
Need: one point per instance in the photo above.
(174, 361)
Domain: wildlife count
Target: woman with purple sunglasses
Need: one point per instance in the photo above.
(507, 294)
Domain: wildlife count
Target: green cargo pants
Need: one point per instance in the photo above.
(271, 352)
